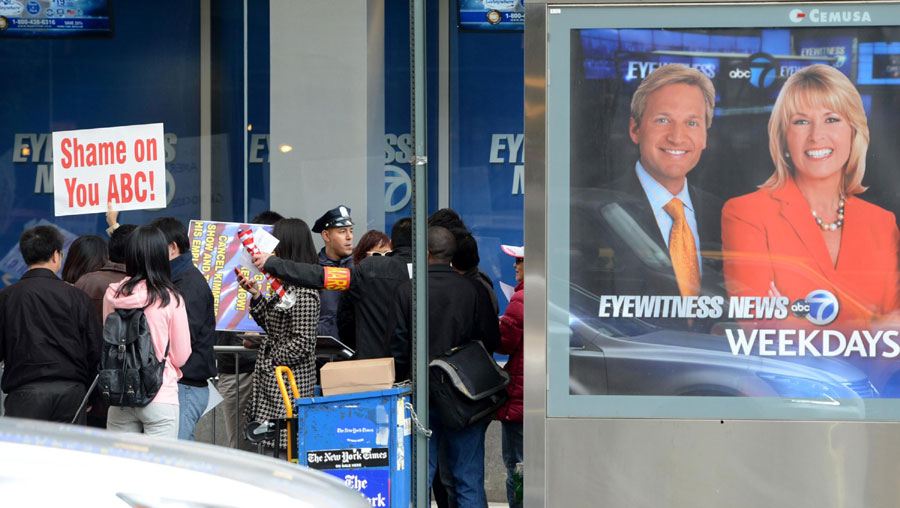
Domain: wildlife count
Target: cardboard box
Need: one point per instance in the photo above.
(357, 376)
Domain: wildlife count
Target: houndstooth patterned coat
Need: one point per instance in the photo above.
(290, 340)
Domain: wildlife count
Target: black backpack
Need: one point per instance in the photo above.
(130, 374)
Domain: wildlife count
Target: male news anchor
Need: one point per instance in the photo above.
(652, 224)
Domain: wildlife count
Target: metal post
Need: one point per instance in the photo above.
(245, 134)
(419, 170)
(205, 111)
(237, 392)
(237, 351)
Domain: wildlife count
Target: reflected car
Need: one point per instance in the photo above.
(616, 249)
(631, 357)
(48, 464)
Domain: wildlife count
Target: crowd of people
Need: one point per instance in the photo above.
(51, 327)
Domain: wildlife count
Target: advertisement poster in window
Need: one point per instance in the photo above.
(732, 212)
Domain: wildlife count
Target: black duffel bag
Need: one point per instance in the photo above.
(466, 385)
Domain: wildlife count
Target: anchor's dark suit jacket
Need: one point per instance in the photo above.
(618, 249)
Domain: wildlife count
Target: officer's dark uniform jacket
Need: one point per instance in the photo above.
(329, 300)
(371, 289)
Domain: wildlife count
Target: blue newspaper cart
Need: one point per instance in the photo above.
(361, 438)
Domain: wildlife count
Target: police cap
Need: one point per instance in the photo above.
(335, 218)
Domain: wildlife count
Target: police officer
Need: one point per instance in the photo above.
(368, 286)
(336, 228)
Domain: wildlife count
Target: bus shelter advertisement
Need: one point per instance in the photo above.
(733, 216)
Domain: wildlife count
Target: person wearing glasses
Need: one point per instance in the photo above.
(373, 243)
(511, 343)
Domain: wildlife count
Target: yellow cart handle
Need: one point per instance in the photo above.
(279, 376)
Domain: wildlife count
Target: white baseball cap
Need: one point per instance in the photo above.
(513, 250)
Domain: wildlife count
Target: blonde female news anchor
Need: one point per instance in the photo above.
(806, 228)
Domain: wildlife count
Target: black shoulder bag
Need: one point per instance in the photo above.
(467, 385)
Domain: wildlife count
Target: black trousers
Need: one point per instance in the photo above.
(54, 401)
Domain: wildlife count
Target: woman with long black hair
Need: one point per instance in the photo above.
(149, 286)
(290, 338)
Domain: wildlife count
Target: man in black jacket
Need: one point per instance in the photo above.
(193, 390)
(466, 259)
(459, 312)
(50, 335)
(369, 286)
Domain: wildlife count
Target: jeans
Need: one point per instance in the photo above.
(154, 419)
(444, 489)
(512, 444)
(192, 400)
(465, 457)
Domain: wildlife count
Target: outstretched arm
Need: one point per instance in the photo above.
(308, 275)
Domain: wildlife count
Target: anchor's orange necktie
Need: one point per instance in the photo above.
(682, 250)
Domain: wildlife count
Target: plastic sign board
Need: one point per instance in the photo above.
(216, 251)
(124, 166)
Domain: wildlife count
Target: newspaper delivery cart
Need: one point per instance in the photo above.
(361, 438)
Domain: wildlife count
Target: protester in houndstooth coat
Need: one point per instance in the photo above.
(290, 338)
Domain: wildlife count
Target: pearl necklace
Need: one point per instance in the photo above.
(836, 224)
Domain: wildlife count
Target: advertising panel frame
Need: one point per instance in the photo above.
(767, 378)
(566, 468)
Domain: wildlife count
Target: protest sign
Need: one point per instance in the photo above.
(216, 251)
(124, 166)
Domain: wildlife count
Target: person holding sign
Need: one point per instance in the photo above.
(193, 390)
(806, 229)
(290, 338)
(370, 286)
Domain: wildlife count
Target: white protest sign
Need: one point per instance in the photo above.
(125, 166)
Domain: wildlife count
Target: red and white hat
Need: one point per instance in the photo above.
(514, 251)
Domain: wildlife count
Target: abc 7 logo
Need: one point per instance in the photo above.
(762, 70)
(820, 307)
(739, 74)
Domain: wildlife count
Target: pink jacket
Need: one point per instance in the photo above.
(168, 325)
